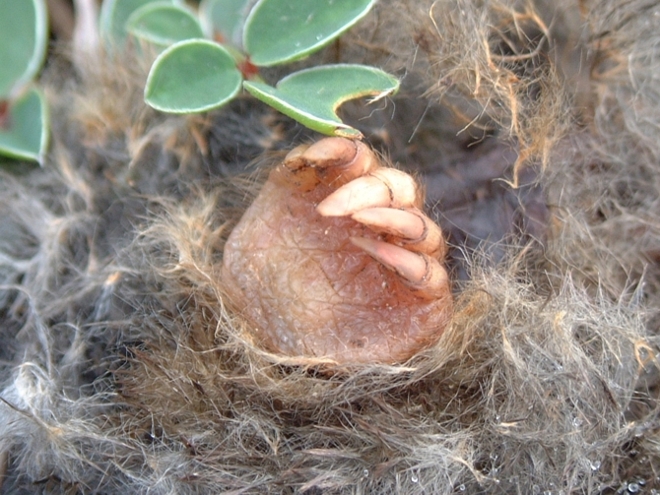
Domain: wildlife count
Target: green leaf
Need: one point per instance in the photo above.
(278, 31)
(23, 39)
(25, 135)
(192, 76)
(162, 23)
(113, 17)
(312, 96)
(225, 17)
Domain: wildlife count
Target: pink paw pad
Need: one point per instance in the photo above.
(335, 259)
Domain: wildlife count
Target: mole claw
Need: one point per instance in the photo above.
(423, 274)
(381, 188)
(293, 159)
(400, 223)
(365, 192)
(337, 161)
(402, 187)
(409, 265)
(409, 228)
(330, 152)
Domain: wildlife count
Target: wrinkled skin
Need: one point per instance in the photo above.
(335, 260)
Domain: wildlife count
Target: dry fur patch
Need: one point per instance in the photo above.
(122, 370)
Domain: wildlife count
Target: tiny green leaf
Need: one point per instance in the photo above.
(25, 135)
(225, 17)
(278, 31)
(163, 23)
(23, 38)
(113, 17)
(312, 96)
(192, 76)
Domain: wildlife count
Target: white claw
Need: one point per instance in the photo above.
(422, 273)
(365, 192)
(411, 266)
(400, 223)
(381, 188)
(403, 188)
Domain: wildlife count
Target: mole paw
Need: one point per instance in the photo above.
(335, 259)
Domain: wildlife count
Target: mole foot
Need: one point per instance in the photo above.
(336, 260)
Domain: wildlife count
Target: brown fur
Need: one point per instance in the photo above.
(122, 370)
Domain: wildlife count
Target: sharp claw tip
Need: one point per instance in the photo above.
(411, 266)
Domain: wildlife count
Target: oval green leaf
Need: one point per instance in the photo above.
(23, 38)
(113, 17)
(163, 24)
(224, 17)
(312, 96)
(192, 76)
(278, 31)
(27, 130)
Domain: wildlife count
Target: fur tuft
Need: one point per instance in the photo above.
(534, 127)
